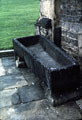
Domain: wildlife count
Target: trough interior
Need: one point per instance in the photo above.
(48, 54)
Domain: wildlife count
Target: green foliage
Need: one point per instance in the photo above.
(17, 18)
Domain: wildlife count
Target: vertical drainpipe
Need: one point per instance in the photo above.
(56, 31)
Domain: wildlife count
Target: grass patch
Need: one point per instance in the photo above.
(17, 18)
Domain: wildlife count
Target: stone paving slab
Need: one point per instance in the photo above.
(69, 111)
(2, 71)
(8, 70)
(30, 93)
(39, 110)
(9, 98)
(7, 66)
(79, 103)
(8, 61)
(11, 70)
(12, 81)
(21, 98)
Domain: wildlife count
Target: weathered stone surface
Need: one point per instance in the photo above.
(30, 93)
(8, 98)
(12, 108)
(49, 10)
(43, 27)
(71, 23)
(12, 70)
(40, 110)
(8, 70)
(12, 81)
(70, 38)
(32, 111)
(74, 13)
(79, 103)
(7, 66)
(7, 62)
(2, 71)
(31, 78)
(69, 111)
(80, 48)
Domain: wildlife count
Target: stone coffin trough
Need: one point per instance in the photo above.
(56, 70)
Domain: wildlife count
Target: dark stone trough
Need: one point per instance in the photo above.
(56, 70)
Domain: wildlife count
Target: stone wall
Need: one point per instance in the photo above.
(71, 23)
(47, 8)
(68, 15)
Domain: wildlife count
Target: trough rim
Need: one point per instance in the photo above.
(73, 62)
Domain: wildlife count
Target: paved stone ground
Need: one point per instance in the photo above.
(21, 97)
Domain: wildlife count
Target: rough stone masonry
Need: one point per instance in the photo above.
(68, 15)
(71, 24)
